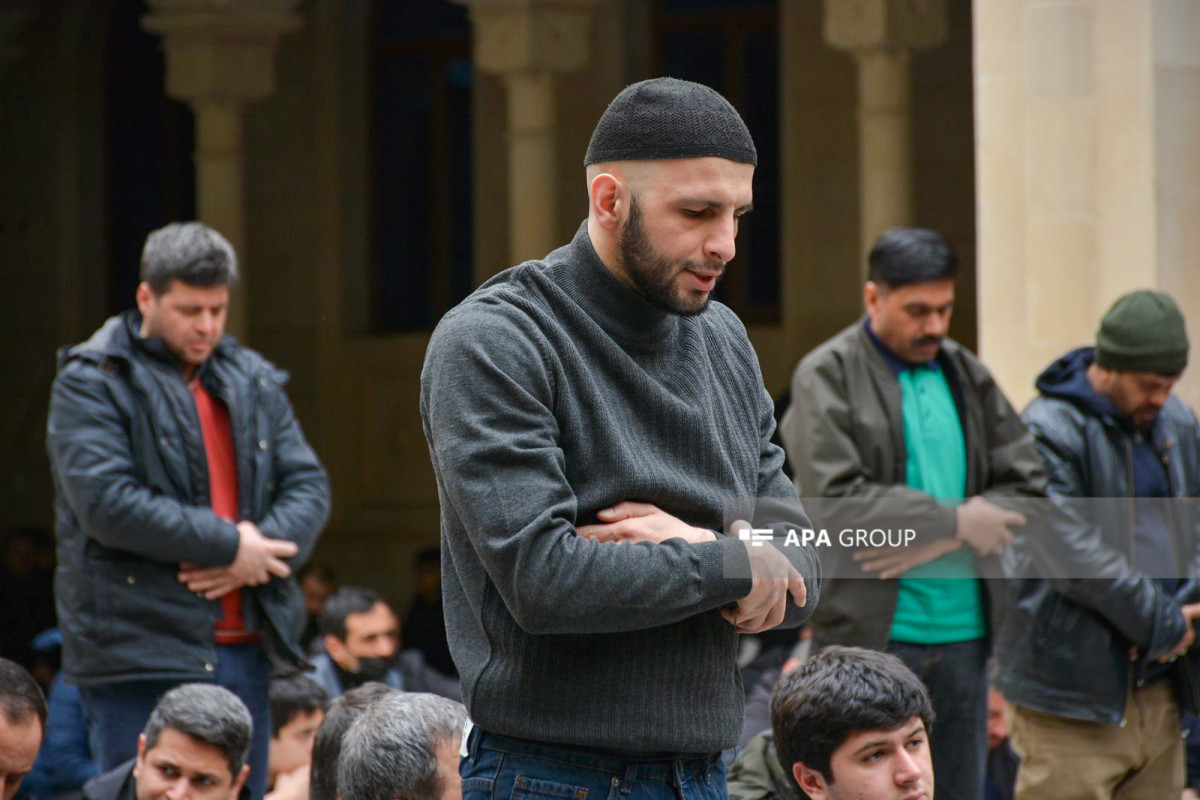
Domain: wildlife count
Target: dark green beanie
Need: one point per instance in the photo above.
(1143, 332)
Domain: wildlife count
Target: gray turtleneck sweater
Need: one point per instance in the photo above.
(555, 391)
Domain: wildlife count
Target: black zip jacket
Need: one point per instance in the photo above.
(1065, 645)
(132, 504)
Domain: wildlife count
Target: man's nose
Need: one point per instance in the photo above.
(721, 245)
(907, 768)
(178, 790)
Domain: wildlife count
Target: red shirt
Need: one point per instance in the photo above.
(223, 490)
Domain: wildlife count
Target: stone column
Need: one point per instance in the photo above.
(221, 55)
(526, 42)
(1088, 172)
(880, 34)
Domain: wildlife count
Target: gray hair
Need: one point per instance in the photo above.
(390, 751)
(190, 252)
(208, 713)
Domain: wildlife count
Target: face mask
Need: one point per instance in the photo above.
(375, 668)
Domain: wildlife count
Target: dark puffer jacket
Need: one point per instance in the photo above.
(1065, 647)
(132, 504)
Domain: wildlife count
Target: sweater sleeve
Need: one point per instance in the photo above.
(487, 407)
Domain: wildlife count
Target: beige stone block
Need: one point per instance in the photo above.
(1122, 33)
(1177, 32)
(1060, 156)
(998, 38)
(1058, 49)
(1177, 127)
(1059, 262)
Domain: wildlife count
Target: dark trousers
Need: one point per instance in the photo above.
(499, 767)
(956, 676)
(116, 713)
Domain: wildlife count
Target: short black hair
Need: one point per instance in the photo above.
(208, 713)
(911, 255)
(190, 252)
(327, 747)
(294, 695)
(20, 696)
(341, 604)
(838, 692)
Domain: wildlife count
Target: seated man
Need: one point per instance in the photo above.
(22, 723)
(327, 750)
(297, 709)
(404, 746)
(362, 643)
(853, 723)
(195, 743)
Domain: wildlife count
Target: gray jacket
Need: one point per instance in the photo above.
(844, 432)
(132, 504)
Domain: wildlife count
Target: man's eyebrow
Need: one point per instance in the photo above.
(918, 728)
(706, 203)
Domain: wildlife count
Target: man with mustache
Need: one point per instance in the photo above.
(1096, 671)
(892, 412)
(589, 416)
(185, 493)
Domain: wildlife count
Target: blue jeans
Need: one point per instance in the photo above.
(956, 676)
(499, 767)
(116, 713)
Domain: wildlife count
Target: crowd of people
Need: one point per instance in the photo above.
(618, 518)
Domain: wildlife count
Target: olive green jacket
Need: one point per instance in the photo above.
(844, 434)
(758, 775)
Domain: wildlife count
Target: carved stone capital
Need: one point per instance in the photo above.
(514, 36)
(859, 25)
(221, 51)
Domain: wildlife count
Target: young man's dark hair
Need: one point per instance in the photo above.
(341, 604)
(840, 691)
(327, 749)
(20, 696)
(911, 255)
(295, 694)
(208, 713)
(190, 252)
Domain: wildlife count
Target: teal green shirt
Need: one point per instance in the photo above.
(939, 602)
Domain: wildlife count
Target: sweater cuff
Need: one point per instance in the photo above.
(724, 570)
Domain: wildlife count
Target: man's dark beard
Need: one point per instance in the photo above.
(652, 275)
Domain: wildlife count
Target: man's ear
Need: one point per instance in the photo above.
(335, 647)
(812, 782)
(144, 297)
(239, 782)
(604, 196)
(871, 295)
(141, 755)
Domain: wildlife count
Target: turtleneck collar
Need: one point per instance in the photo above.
(619, 309)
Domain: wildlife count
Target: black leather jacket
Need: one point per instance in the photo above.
(132, 504)
(1065, 646)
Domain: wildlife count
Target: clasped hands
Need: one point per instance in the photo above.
(773, 578)
(258, 558)
(981, 525)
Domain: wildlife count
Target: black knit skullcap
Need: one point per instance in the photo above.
(669, 118)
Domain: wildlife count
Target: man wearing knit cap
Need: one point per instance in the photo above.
(1096, 679)
(588, 416)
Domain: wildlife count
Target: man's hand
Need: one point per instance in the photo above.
(985, 526)
(1191, 612)
(892, 562)
(774, 581)
(641, 522)
(291, 785)
(258, 558)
